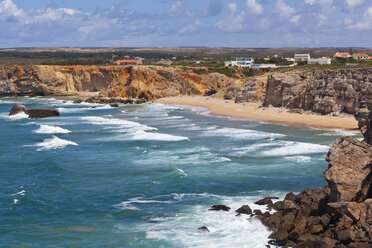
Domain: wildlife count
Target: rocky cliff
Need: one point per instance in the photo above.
(324, 92)
(338, 215)
(111, 81)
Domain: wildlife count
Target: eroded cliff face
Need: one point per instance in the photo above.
(111, 81)
(324, 92)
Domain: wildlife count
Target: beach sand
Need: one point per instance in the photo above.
(223, 107)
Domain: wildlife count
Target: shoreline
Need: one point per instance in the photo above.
(229, 108)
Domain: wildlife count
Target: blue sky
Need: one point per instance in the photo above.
(153, 23)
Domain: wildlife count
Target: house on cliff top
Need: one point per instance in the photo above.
(360, 56)
(342, 55)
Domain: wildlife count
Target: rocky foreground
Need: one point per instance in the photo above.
(338, 215)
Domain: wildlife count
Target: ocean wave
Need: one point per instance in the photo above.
(82, 109)
(19, 116)
(296, 148)
(142, 135)
(97, 120)
(299, 159)
(237, 133)
(54, 143)
(131, 203)
(47, 129)
(226, 229)
(338, 132)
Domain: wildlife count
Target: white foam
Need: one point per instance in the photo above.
(19, 116)
(130, 204)
(237, 133)
(54, 143)
(51, 129)
(74, 110)
(338, 132)
(22, 192)
(142, 135)
(296, 148)
(226, 229)
(97, 120)
(299, 159)
(15, 201)
(183, 174)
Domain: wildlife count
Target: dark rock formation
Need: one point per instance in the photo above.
(337, 215)
(244, 210)
(203, 229)
(18, 108)
(219, 208)
(34, 113)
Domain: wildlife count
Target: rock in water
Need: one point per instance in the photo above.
(219, 208)
(203, 229)
(42, 113)
(34, 113)
(244, 210)
(18, 108)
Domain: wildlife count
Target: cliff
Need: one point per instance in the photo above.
(324, 92)
(340, 214)
(111, 81)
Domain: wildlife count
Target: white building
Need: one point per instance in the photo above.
(241, 62)
(302, 57)
(320, 61)
(264, 66)
(360, 56)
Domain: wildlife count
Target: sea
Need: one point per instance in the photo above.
(146, 175)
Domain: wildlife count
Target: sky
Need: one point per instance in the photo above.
(172, 23)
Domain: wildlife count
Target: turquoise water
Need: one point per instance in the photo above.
(145, 175)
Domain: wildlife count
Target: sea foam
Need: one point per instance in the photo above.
(296, 148)
(51, 129)
(237, 133)
(54, 143)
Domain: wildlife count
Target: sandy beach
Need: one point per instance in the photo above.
(220, 106)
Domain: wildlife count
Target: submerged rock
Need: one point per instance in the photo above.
(203, 229)
(219, 208)
(34, 113)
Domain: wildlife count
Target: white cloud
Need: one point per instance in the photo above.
(295, 19)
(191, 28)
(365, 23)
(254, 7)
(8, 8)
(354, 3)
(175, 9)
(234, 21)
(283, 10)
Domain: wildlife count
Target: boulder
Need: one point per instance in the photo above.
(245, 209)
(34, 113)
(349, 173)
(219, 208)
(18, 108)
(42, 113)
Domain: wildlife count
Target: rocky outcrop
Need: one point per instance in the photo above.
(323, 91)
(364, 117)
(111, 81)
(338, 215)
(36, 113)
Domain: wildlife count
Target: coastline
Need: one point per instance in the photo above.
(223, 107)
